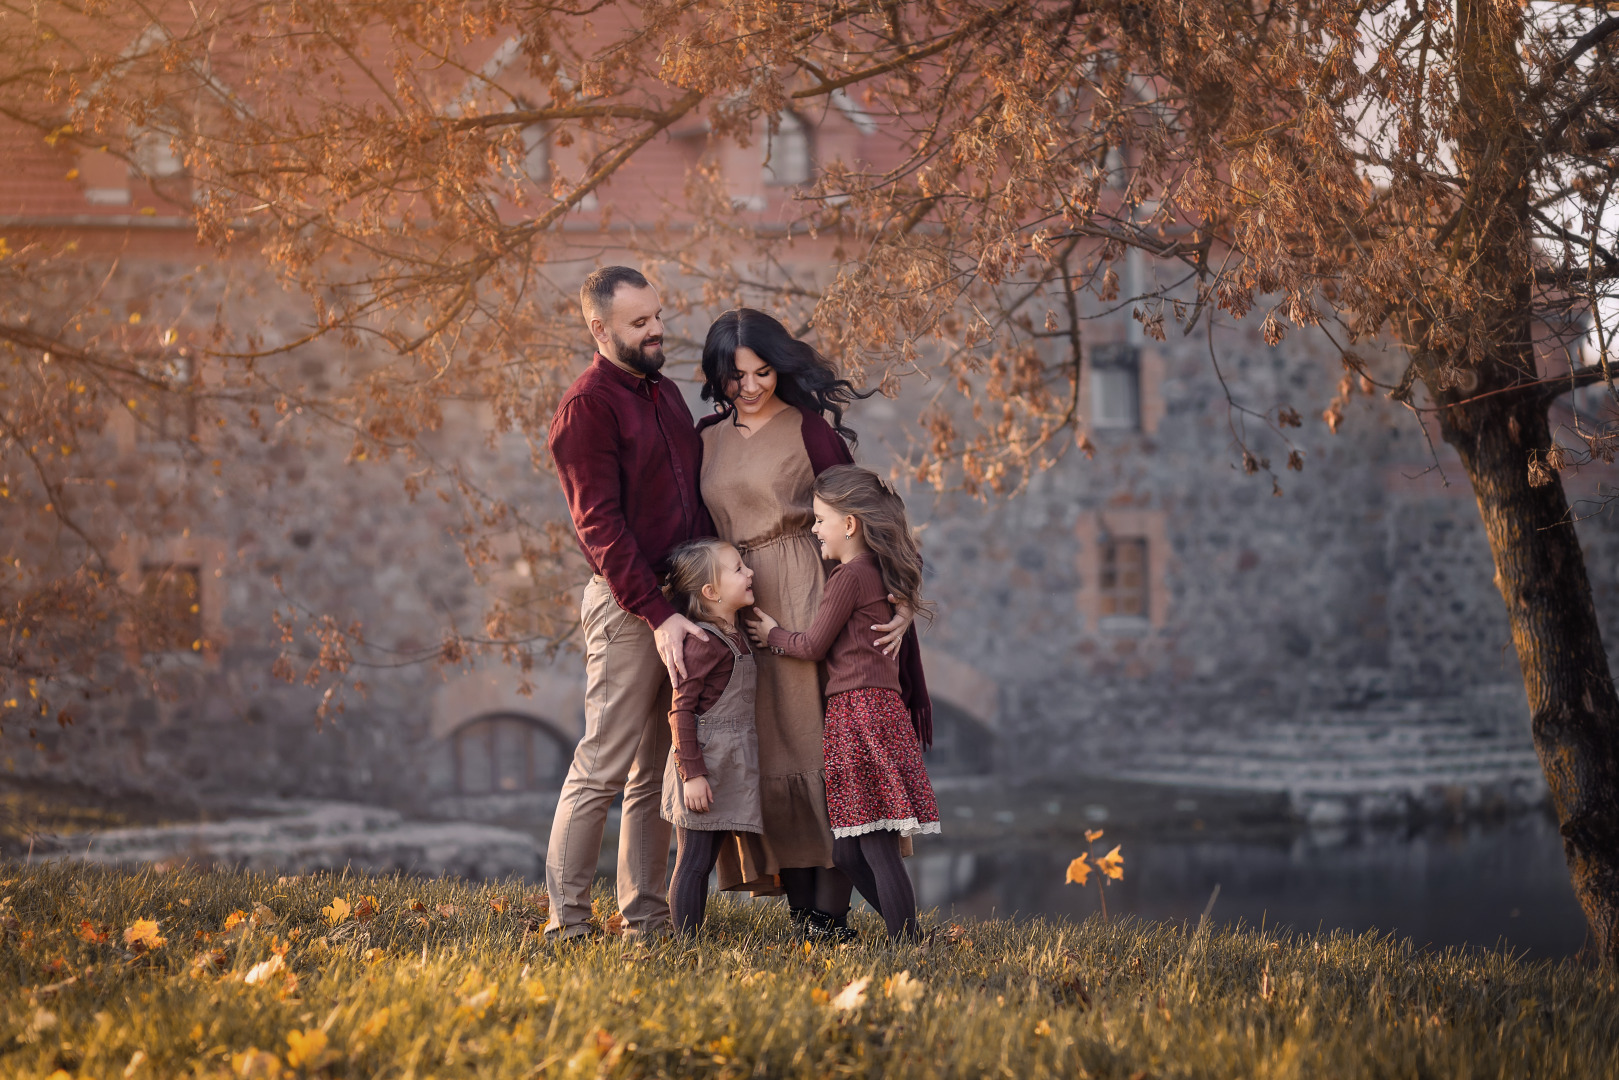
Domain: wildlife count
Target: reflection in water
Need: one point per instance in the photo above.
(1502, 883)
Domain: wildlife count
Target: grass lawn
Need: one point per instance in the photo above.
(355, 976)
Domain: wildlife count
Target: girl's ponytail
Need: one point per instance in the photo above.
(691, 566)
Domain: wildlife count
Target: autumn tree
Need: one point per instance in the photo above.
(1433, 175)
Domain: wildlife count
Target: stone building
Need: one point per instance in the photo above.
(1150, 612)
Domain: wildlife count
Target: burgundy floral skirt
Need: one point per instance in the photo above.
(874, 774)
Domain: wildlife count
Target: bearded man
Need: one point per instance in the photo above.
(628, 457)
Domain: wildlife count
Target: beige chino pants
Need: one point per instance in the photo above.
(626, 741)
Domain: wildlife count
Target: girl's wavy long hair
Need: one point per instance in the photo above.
(804, 377)
(691, 566)
(863, 495)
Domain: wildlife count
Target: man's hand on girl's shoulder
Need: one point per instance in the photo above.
(670, 639)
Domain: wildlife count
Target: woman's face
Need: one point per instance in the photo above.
(755, 389)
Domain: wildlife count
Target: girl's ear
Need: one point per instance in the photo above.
(711, 593)
(851, 525)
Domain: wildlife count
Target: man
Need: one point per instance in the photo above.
(628, 457)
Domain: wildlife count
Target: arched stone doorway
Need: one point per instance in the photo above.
(966, 713)
(507, 754)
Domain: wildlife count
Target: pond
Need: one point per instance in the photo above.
(1498, 883)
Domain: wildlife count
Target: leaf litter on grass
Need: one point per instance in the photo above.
(477, 994)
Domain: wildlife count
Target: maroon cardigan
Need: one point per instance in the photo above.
(826, 449)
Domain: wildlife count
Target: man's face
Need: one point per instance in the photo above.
(634, 329)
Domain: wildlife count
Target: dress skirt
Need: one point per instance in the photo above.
(874, 774)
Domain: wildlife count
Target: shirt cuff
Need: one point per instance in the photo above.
(656, 611)
(778, 640)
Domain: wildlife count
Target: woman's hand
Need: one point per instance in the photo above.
(699, 796)
(759, 629)
(893, 631)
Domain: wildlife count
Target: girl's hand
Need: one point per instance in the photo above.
(699, 796)
(759, 629)
(893, 631)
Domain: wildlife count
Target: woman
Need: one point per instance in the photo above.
(762, 449)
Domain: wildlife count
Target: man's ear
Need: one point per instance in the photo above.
(598, 328)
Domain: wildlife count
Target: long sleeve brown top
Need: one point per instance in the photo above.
(853, 602)
(708, 672)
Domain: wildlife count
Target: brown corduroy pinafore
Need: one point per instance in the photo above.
(731, 752)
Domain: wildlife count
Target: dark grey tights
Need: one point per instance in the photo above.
(874, 864)
(824, 888)
(697, 852)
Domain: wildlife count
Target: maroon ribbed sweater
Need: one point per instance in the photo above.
(853, 601)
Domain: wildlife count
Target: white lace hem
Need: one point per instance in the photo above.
(904, 826)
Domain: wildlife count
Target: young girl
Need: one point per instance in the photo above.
(711, 784)
(876, 788)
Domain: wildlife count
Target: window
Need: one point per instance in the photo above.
(1116, 387)
(536, 152)
(507, 755)
(171, 413)
(1122, 580)
(787, 152)
(173, 608)
(155, 156)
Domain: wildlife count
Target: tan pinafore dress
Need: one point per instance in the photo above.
(730, 750)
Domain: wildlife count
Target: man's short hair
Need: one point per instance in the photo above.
(596, 294)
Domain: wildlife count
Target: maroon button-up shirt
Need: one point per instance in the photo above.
(629, 460)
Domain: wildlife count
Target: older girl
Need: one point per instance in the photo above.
(877, 791)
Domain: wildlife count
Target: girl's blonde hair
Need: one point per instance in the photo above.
(862, 494)
(691, 566)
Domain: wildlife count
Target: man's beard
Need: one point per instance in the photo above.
(633, 356)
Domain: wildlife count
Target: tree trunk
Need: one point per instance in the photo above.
(1495, 424)
(1573, 710)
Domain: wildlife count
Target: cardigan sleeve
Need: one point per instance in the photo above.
(826, 447)
(838, 601)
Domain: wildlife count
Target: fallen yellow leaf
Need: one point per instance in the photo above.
(851, 997)
(373, 1027)
(264, 969)
(336, 911)
(303, 1047)
(903, 990)
(143, 935)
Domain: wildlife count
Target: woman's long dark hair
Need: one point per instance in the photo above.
(804, 377)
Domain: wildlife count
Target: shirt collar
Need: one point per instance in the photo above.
(625, 378)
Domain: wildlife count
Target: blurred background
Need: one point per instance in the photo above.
(1298, 690)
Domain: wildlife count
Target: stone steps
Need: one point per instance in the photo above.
(305, 836)
(1335, 765)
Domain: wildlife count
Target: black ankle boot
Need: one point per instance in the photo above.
(801, 918)
(831, 928)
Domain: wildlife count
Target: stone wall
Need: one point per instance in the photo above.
(1340, 639)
